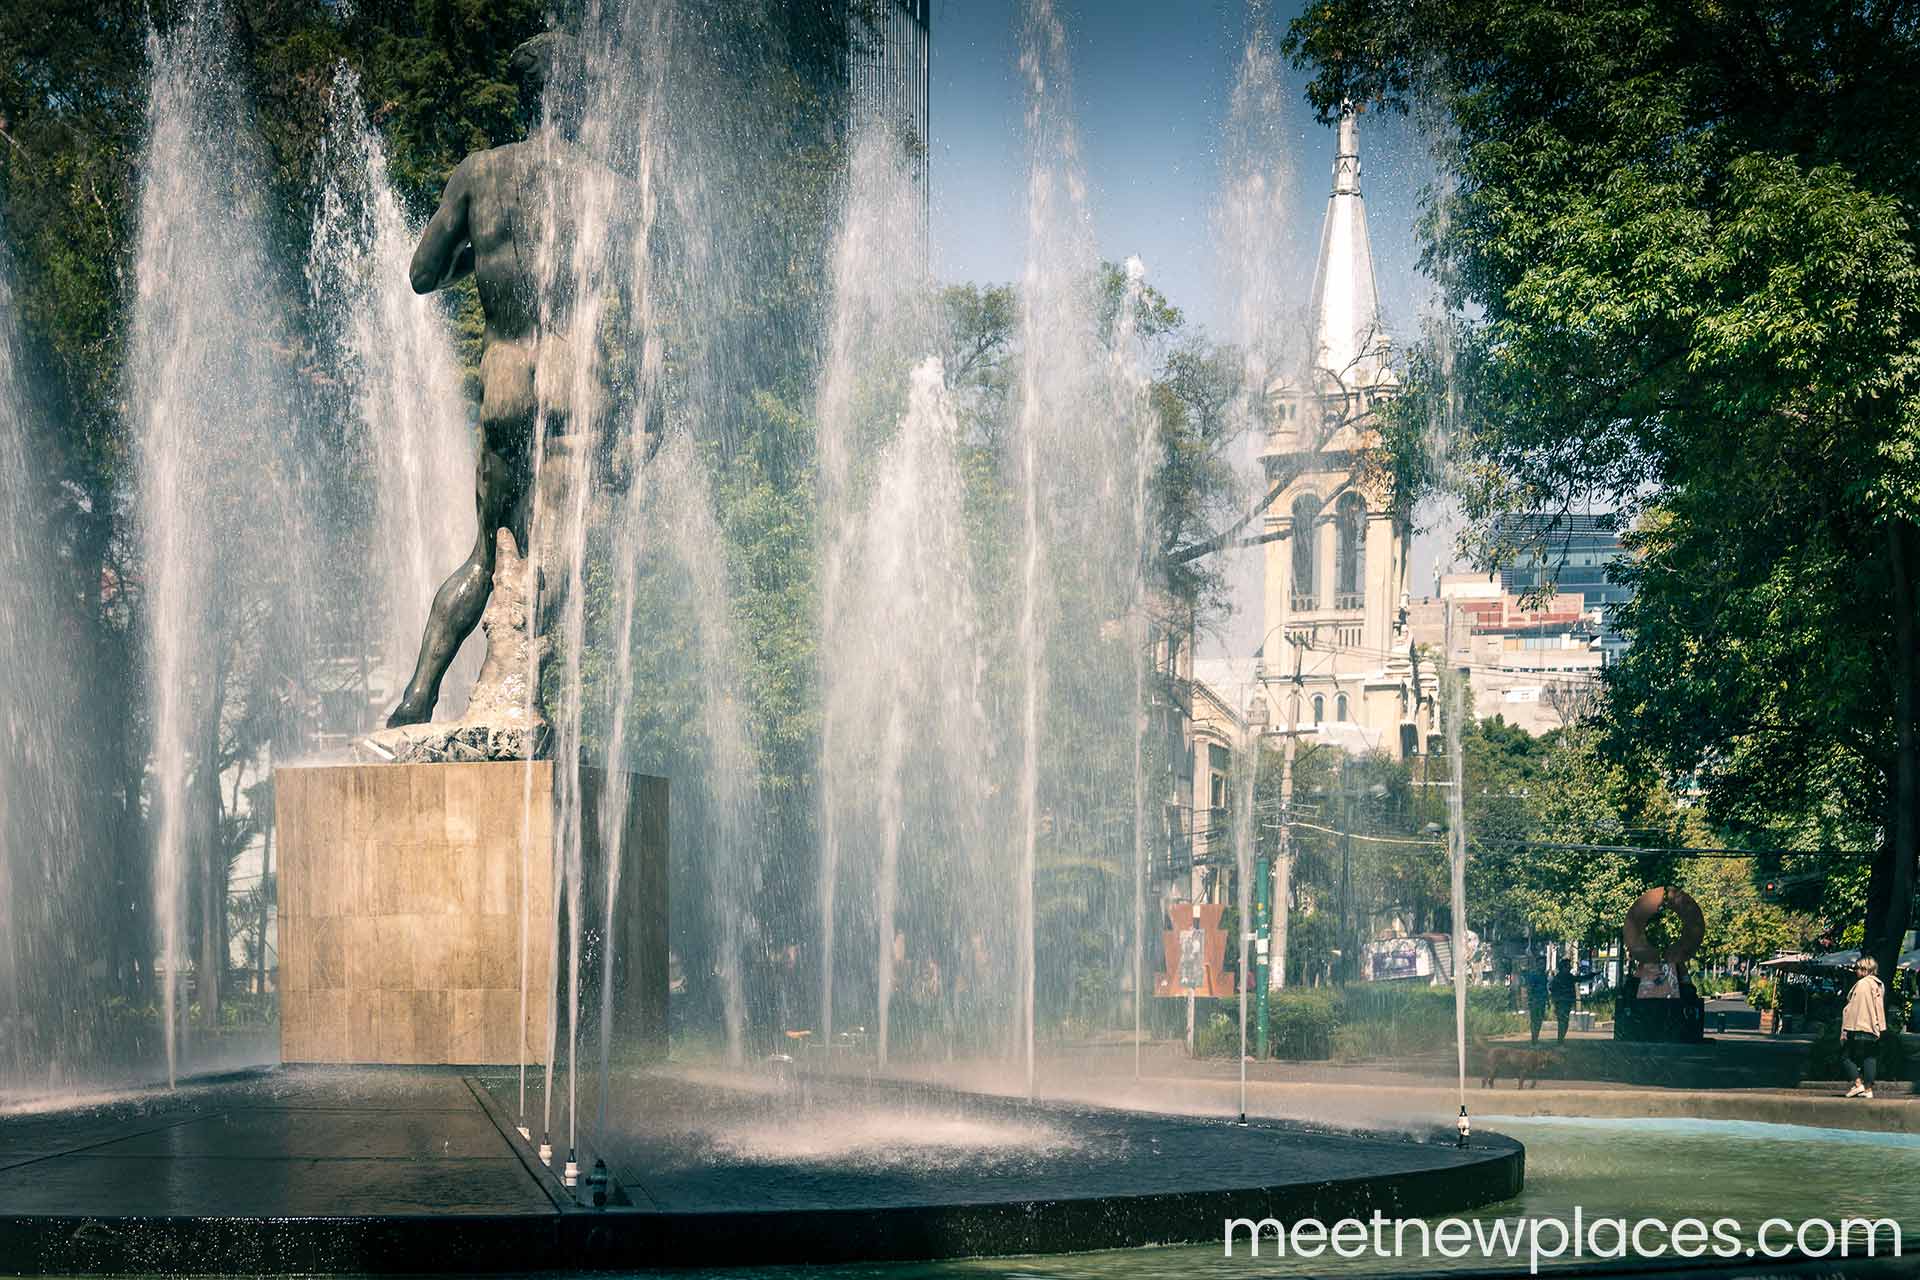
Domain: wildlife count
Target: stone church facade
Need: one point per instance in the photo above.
(1337, 657)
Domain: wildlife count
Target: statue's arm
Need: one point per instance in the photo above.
(445, 251)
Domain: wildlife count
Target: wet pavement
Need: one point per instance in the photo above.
(274, 1171)
(298, 1144)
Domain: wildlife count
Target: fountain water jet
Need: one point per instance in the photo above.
(1252, 231)
(413, 450)
(916, 656)
(1080, 473)
(881, 322)
(220, 486)
(681, 533)
(44, 831)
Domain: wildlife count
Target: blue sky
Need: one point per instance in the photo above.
(1151, 84)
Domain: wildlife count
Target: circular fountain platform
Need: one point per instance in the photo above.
(409, 1170)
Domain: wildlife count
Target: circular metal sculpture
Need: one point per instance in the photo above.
(1693, 927)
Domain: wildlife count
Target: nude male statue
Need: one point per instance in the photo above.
(494, 217)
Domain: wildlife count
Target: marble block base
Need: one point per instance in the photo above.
(400, 911)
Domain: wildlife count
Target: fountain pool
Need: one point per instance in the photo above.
(302, 1170)
(1632, 1169)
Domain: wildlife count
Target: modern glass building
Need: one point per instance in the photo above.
(1566, 553)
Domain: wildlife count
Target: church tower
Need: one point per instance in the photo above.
(1336, 558)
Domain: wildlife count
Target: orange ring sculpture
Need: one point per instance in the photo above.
(1693, 926)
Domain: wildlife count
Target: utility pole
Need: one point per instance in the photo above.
(1257, 724)
(1283, 856)
(1263, 942)
(1346, 873)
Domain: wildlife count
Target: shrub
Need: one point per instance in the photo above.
(1217, 1037)
(1301, 1024)
(1351, 1044)
(1381, 1021)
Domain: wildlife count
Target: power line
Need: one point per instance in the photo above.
(1682, 851)
(1647, 851)
(1334, 831)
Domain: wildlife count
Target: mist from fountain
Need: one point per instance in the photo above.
(719, 805)
(1442, 434)
(1253, 237)
(221, 484)
(596, 142)
(45, 902)
(409, 448)
(880, 324)
(1252, 223)
(918, 656)
(1078, 437)
(1130, 382)
(906, 750)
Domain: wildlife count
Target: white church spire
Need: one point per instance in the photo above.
(1349, 344)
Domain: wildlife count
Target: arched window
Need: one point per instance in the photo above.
(1319, 708)
(1350, 553)
(1306, 547)
(1340, 708)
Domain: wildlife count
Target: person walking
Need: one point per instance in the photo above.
(1862, 1025)
(1561, 992)
(1534, 981)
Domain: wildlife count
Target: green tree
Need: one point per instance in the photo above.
(1741, 924)
(1681, 238)
(1582, 894)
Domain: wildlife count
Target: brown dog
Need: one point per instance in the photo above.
(1522, 1064)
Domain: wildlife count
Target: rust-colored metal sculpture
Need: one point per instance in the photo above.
(1693, 927)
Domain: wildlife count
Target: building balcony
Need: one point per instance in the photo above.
(1343, 602)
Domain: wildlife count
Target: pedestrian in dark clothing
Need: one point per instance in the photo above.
(1561, 992)
(1534, 981)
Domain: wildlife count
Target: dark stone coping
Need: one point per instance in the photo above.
(372, 1170)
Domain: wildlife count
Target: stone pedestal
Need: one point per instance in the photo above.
(400, 910)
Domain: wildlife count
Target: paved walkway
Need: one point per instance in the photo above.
(1371, 1096)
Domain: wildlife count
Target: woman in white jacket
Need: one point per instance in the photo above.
(1861, 1026)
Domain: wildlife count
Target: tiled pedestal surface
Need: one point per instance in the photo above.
(400, 910)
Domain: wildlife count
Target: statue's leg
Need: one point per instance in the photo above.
(457, 606)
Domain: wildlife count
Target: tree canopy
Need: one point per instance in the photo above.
(1680, 244)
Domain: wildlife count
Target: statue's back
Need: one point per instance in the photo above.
(522, 221)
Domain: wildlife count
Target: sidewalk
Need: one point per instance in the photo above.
(1385, 1098)
(1378, 1096)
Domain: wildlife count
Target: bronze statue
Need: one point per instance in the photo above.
(496, 214)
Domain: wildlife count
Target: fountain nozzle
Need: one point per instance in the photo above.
(1462, 1125)
(571, 1175)
(526, 1134)
(597, 1182)
(546, 1150)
